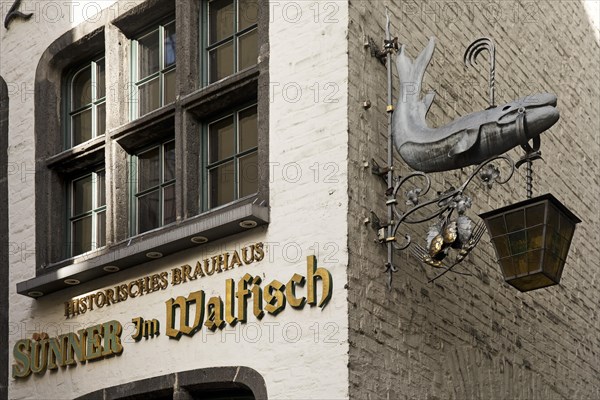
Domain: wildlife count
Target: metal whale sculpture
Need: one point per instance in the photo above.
(467, 140)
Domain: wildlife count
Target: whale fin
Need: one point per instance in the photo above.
(468, 138)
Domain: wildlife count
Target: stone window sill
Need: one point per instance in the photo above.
(212, 225)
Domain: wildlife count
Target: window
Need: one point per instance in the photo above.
(173, 174)
(155, 187)
(154, 69)
(232, 42)
(87, 215)
(87, 103)
(232, 157)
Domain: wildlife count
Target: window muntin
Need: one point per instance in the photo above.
(154, 199)
(87, 216)
(154, 57)
(87, 103)
(232, 37)
(232, 157)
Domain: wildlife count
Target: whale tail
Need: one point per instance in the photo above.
(411, 73)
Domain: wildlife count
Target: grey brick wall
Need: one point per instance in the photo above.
(476, 337)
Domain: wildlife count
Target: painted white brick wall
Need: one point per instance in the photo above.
(309, 205)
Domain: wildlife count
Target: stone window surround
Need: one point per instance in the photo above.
(183, 120)
(180, 384)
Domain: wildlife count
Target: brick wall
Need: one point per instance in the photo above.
(476, 337)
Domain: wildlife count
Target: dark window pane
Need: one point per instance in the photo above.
(149, 96)
(100, 80)
(221, 62)
(82, 88)
(169, 204)
(221, 138)
(170, 44)
(169, 166)
(101, 229)
(82, 195)
(221, 185)
(148, 169)
(248, 175)
(221, 20)
(82, 235)
(248, 129)
(148, 55)
(169, 89)
(82, 127)
(148, 212)
(248, 13)
(100, 189)
(248, 50)
(101, 119)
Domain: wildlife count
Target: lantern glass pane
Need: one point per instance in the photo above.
(564, 249)
(518, 242)
(552, 218)
(515, 220)
(508, 270)
(502, 246)
(497, 226)
(567, 228)
(535, 238)
(534, 258)
(552, 265)
(553, 240)
(520, 264)
(535, 214)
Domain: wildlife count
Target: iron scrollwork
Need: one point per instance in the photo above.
(452, 231)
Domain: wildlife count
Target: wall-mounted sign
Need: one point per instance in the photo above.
(156, 282)
(93, 343)
(43, 353)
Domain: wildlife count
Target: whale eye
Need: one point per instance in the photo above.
(505, 108)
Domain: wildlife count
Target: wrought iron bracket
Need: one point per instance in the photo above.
(376, 223)
(381, 171)
(389, 46)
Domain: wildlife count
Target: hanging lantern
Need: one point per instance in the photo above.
(532, 240)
